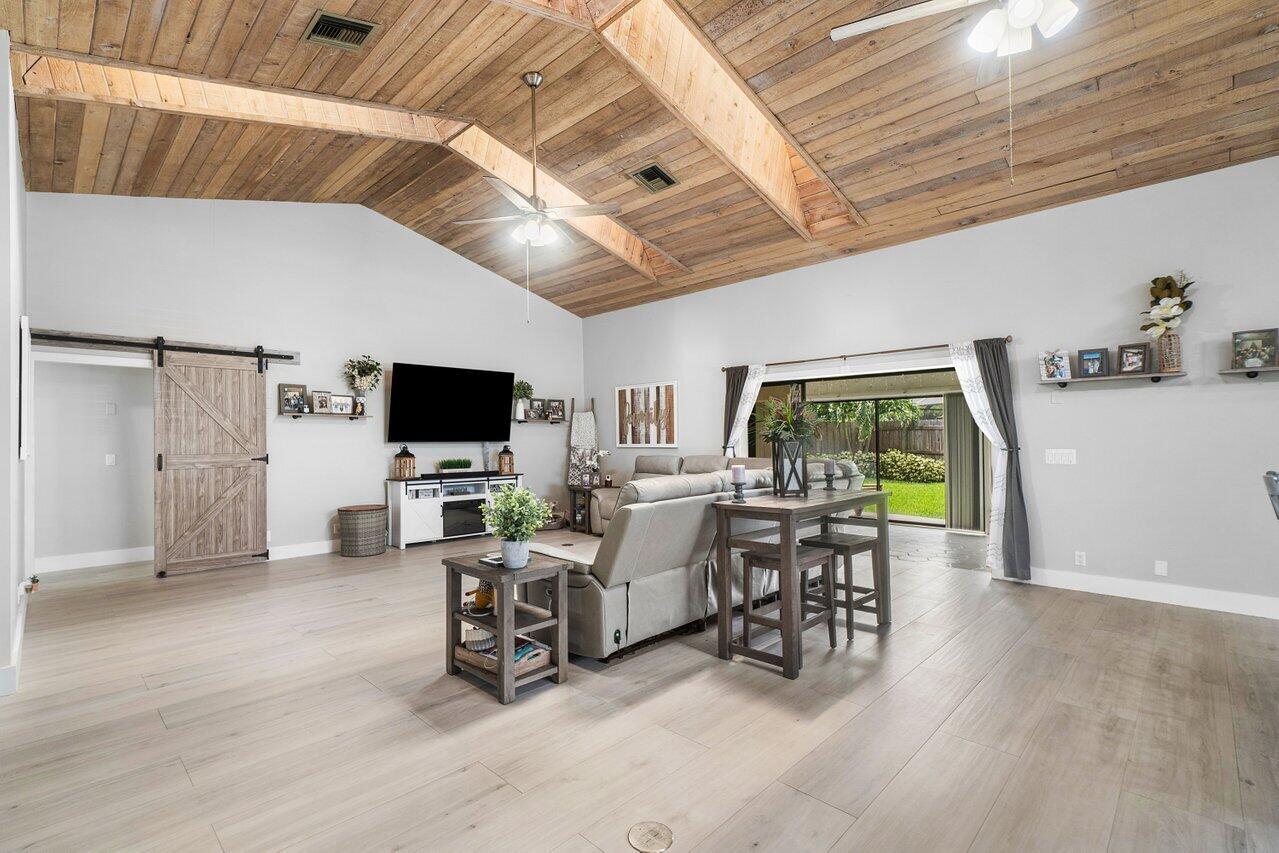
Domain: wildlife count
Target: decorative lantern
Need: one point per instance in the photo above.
(405, 464)
(790, 469)
(506, 460)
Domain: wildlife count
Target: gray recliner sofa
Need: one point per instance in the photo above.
(653, 570)
(604, 500)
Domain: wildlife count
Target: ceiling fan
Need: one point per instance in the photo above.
(1004, 30)
(537, 222)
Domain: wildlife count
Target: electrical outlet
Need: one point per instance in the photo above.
(333, 527)
(1059, 457)
(1081, 558)
(110, 460)
(1161, 568)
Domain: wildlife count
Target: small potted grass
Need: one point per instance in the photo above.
(515, 515)
(458, 464)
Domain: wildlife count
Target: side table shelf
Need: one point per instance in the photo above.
(509, 619)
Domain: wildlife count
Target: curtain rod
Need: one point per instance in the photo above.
(1007, 338)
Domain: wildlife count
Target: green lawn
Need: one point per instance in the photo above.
(927, 500)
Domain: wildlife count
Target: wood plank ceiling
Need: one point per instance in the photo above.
(891, 137)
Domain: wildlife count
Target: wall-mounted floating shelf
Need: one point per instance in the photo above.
(296, 415)
(541, 421)
(1250, 372)
(1080, 380)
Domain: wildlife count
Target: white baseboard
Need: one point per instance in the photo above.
(90, 559)
(305, 549)
(1244, 603)
(9, 674)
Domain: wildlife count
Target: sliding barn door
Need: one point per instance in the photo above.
(210, 479)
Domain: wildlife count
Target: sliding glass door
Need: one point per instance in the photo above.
(909, 434)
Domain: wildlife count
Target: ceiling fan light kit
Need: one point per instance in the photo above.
(1024, 13)
(986, 36)
(535, 232)
(1016, 40)
(1004, 29)
(1057, 14)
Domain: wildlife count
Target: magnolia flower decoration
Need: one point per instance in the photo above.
(1168, 303)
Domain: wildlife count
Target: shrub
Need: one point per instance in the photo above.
(911, 467)
(896, 465)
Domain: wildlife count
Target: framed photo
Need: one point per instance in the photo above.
(1094, 362)
(341, 404)
(555, 410)
(536, 409)
(1256, 348)
(1054, 365)
(321, 402)
(292, 398)
(1134, 358)
(647, 415)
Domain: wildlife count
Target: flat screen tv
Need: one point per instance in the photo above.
(449, 404)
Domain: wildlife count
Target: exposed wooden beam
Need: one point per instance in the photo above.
(58, 75)
(501, 161)
(674, 63)
(571, 12)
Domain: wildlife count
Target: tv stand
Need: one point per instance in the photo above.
(441, 506)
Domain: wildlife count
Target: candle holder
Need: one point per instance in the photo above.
(830, 482)
(738, 497)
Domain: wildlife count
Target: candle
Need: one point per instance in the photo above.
(830, 467)
(739, 475)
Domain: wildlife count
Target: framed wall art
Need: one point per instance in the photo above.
(647, 415)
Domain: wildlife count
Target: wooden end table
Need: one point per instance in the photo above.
(580, 496)
(509, 618)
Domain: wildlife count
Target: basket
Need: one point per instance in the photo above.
(363, 530)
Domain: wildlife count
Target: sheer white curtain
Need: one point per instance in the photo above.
(964, 356)
(750, 393)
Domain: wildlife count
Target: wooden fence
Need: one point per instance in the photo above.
(926, 438)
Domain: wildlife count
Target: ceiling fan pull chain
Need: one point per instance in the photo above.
(1010, 119)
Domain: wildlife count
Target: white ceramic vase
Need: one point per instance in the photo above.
(514, 553)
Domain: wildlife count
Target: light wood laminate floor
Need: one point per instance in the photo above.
(302, 704)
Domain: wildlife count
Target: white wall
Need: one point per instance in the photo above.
(1169, 472)
(15, 545)
(331, 281)
(88, 513)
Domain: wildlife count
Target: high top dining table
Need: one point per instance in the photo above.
(790, 514)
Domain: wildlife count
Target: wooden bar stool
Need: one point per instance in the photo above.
(849, 545)
(814, 608)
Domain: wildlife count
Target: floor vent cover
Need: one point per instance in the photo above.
(337, 31)
(651, 837)
(653, 178)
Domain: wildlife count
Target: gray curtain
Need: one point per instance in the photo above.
(734, 383)
(992, 361)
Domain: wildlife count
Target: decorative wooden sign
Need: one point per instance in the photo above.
(646, 415)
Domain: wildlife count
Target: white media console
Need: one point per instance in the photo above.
(441, 506)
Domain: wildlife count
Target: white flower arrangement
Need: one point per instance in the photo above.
(1164, 317)
(362, 374)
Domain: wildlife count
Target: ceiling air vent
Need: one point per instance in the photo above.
(653, 178)
(336, 31)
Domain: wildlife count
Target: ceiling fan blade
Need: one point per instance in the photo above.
(513, 217)
(510, 193)
(899, 16)
(583, 210)
(989, 69)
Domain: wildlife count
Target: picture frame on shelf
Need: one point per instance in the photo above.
(554, 410)
(292, 398)
(1133, 359)
(321, 402)
(1094, 363)
(536, 409)
(1054, 365)
(1254, 349)
(341, 404)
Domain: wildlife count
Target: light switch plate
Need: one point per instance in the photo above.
(110, 408)
(1161, 568)
(110, 460)
(1059, 457)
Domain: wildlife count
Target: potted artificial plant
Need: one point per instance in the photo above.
(522, 392)
(788, 427)
(363, 374)
(515, 515)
